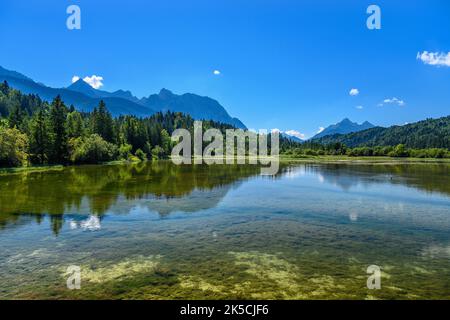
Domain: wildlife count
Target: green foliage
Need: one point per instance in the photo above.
(148, 150)
(59, 151)
(40, 138)
(157, 153)
(102, 122)
(92, 149)
(75, 125)
(16, 117)
(125, 151)
(378, 151)
(166, 142)
(17, 105)
(430, 133)
(44, 132)
(134, 132)
(13, 147)
(141, 155)
(399, 151)
(3, 123)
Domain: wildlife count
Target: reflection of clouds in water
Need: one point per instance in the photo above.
(437, 251)
(395, 207)
(295, 172)
(354, 213)
(429, 178)
(90, 224)
(321, 178)
(73, 225)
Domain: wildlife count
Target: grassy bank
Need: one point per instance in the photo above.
(363, 160)
(60, 167)
(4, 171)
(283, 158)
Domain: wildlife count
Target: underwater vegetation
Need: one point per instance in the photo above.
(158, 231)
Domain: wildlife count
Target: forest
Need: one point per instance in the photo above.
(425, 134)
(35, 132)
(311, 148)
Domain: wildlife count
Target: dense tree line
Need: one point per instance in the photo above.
(38, 133)
(34, 132)
(312, 148)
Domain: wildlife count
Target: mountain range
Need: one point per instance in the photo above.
(121, 102)
(343, 127)
(291, 137)
(429, 133)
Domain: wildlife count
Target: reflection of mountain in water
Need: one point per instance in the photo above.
(161, 186)
(198, 199)
(77, 193)
(425, 177)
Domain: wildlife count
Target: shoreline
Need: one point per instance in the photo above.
(364, 160)
(306, 159)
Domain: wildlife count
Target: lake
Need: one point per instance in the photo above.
(160, 231)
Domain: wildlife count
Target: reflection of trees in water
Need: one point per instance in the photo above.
(166, 188)
(100, 187)
(426, 177)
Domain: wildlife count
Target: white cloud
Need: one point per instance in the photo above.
(320, 130)
(216, 72)
(292, 133)
(354, 92)
(297, 134)
(90, 224)
(394, 100)
(94, 81)
(435, 58)
(359, 107)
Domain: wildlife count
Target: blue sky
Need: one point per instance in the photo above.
(283, 64)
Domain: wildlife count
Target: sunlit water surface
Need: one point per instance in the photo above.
(160, 231)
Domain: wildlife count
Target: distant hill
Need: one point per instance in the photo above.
(291, 138)
(83, 87)
(198, 107)
(13, 74)
(122, 102)
(81, 100)
(430, 133)
(343, 127)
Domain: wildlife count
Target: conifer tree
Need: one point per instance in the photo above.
(59, 147)
(40, 138)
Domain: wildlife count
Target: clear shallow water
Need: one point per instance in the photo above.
(159, 231)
